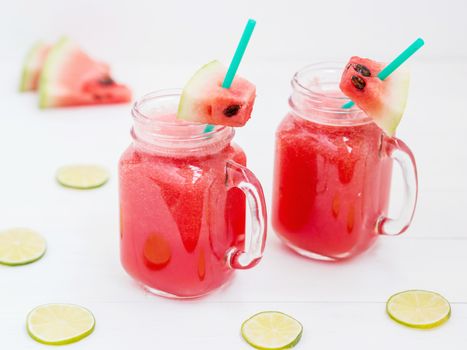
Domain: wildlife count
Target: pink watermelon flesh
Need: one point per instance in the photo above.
(71, 78)
(204, 100)
(383, 101)
(231, 106)
(33, 66)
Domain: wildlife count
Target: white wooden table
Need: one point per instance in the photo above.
(341, 305)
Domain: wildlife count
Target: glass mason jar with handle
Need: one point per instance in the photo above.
(333, 171)
(183, 197)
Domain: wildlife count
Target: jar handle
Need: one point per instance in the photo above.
(242, 178)
(401, 153)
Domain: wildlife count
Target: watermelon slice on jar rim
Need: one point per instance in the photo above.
(382, 100)
(204, 100)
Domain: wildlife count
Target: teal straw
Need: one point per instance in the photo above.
(208, 128)
(396, 63)
(236, 59)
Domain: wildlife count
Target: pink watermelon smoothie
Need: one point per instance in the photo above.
(332, 173)
(330, 186)
(177, 218)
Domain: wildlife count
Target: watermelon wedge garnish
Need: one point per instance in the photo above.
(382, 100)
(33, 66)
(204, 100)
(71, 78)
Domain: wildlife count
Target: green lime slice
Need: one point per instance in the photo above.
(20, 246)
(272, 330)
(59, 324)
(418, 308)
(82, 176)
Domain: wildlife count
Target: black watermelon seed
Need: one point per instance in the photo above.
(363, 70)
(106, 81)
(358, 82)
(231, 110)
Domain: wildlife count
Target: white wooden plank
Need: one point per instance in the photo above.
(159, 324)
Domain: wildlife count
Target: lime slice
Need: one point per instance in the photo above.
(272, 330)
(59, 324)
(83, 176)
(19, 246)
(418, 308)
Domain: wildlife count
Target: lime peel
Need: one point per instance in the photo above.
(272, 330)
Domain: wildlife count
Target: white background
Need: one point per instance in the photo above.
(154, 45)
(195, 31)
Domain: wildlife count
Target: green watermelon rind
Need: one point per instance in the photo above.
(390, 121)
(25, 72)
(186, 110)
(58, 51)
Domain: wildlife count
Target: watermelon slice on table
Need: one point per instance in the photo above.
(33, 66)
(71, 78)
(382, 100)
(204, 100)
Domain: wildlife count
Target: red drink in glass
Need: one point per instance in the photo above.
(182, 204)
(333, 171)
